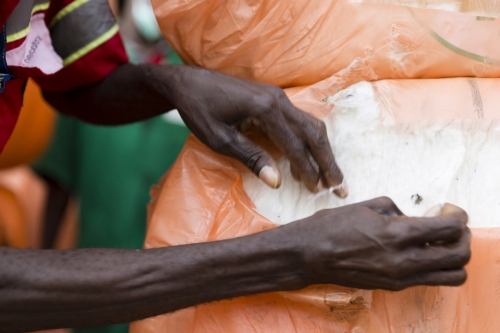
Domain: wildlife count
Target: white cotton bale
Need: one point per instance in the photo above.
(418, 164)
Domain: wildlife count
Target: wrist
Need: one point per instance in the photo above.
(174, 82)
(248, 265)
(280, 257)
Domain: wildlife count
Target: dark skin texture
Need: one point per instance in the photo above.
(217, 108)
(367, 245)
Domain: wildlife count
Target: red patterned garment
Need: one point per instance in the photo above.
(61, 44)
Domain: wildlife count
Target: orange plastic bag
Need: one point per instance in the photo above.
(202, 199)
(22, 208)
(484, 8)
(300, 42)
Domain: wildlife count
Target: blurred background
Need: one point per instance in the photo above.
(66, 184)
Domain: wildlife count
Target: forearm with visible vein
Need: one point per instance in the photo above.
(44, 289)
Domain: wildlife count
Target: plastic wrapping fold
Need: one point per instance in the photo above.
(485, 8)
(202, 199)
(300, 42)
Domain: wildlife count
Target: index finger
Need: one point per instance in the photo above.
(278, 130)
(317, 141)
(312, 133)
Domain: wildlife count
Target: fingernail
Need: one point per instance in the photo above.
(269, 176)
(434, 211)
(449, 209)
(343, 190)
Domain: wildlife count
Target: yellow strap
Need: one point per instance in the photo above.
(91, 46)
(23, 33)
(66, 10)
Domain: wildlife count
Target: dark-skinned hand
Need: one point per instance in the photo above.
(218, 109)
(372, 245)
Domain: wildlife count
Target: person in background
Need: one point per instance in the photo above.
(74, 52)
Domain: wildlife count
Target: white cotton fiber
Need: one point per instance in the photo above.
(418, 165)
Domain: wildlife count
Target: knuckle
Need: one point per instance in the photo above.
(223, 143)
(265, 104)
(394, 265)
(394, 236)
(317, 127)
(397, 230)
(405, 230)
(320, 137)
(278, 92)
(251, 159)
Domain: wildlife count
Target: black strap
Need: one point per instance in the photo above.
(4, 70)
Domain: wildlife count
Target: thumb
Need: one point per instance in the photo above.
(452, 210)
(270, 175)
(255, 158)
(447, 210)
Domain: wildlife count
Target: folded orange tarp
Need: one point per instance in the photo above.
(300, 42)
(202, 199)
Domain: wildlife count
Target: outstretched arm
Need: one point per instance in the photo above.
(369, 245)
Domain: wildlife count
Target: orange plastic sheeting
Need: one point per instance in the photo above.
(33, 130)
(411, 100)
(29, 196)
(12, 229)
(202, 199)
(300, 42)
(485, 8)
(22, 203)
